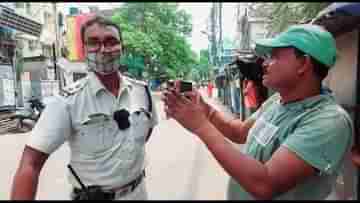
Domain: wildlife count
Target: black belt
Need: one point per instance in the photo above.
(120, 191)
(132, 185)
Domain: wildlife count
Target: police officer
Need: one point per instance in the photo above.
(106, 119)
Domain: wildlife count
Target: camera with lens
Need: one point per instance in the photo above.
(250, 68)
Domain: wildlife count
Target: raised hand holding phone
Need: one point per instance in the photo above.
(177, 87)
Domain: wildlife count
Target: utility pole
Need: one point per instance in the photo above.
(244, 45)
(56, 46)
(18, 65)
(238, 25)
(213, 35)
(56, 29)
(245, 32)
(220, 47)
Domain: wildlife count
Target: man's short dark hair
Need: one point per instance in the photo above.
(320, 70)
(101, 21)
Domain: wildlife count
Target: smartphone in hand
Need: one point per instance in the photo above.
(185, 86)
(180, 85)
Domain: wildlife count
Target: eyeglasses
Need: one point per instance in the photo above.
(95, 45)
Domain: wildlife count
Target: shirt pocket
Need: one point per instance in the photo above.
(263, 132)
(111, 134)
(94, 136)
(140, 123)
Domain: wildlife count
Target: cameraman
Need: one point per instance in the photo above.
(297, 140)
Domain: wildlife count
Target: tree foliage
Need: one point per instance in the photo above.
(281, 14)
(156, 32)
(135, 64)
(201, 70)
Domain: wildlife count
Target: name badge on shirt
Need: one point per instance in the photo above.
(264, 132)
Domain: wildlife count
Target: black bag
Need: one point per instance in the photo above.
(93, 192)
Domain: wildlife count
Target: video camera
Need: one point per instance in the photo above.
(250, 68)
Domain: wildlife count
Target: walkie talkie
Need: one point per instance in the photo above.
(93, 192)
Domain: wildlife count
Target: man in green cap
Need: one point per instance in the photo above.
(296, 141)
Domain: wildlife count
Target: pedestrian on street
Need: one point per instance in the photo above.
(210, 88)
(297, 141)
(251, 95)
(106, 119)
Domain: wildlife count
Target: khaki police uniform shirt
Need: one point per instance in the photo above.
(101, 153)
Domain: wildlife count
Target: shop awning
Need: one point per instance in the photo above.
(345, 8)
(339, 18)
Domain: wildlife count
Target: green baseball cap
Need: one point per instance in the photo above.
(310, 39)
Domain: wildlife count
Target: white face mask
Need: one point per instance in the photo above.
(103, 64)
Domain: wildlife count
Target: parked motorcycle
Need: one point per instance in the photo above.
(28, 116)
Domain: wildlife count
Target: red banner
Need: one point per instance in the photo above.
(76, 46)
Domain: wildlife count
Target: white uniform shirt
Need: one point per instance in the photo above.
(101, 153)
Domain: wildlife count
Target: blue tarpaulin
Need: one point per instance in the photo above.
(339, 18)
(345, 8)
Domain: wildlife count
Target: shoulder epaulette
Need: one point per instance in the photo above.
(136, 82)
(74, 87)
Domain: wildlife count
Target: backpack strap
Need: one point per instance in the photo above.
(149, 98)
(149, 108)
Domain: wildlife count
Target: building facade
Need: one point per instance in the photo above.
(44, 14)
